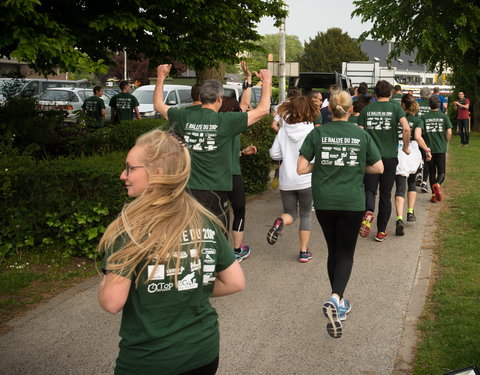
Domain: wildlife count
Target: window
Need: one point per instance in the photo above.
(31, 89)
(185, 96)
(172, 98)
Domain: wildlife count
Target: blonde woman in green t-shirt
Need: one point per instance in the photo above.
(164, 256)
(343, 153)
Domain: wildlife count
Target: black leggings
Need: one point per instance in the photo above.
(384, 182)
(237, 200)
(214, 201)
(436, 168)
(208, 369)
(340, 229)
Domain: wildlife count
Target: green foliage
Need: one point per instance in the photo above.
(443, 34)
(327, 51)
(270, 44)
(256, 168)
(66, 34)
(62, 201)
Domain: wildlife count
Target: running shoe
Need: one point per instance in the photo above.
(304, 256)
(433, 199)
(344, 310)
(380, 237)
(418, 179)
(275, 231)
(366, 223)
(331, 311)
(399, 228)
(436, 191)
(411, 216)
(424, 187)
(243, 253)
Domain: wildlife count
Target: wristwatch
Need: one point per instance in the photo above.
(246, 85)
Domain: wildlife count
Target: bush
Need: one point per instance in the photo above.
(111, 138)
(65, 201)
(256, 168)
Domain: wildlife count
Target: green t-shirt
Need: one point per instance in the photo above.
(124, 104)
(380, 120)
(423, 107)
(353, 120)
(436, 125)
(170, 329)
(209, 136)
(93, 106)
(414, 122)
(319, 120)
(341, 151)
(195, 107)
(396, 98)
(236, 170)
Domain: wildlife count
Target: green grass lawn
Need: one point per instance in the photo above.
(450, 327)
(28, 279)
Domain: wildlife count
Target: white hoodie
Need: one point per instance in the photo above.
(286, 147)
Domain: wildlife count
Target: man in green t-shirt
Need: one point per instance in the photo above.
(397, 97)
(438, 130)
(124, 105)
(381, 120)
(94, 106)
(209, 135)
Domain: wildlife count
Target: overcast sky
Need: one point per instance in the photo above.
(308, 17)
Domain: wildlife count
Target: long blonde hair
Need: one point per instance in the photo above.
(151, 226)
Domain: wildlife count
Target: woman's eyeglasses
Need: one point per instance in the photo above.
(129, 168)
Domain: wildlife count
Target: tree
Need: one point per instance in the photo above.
(270, 44)
(82, 35)
(327, 51)
(444, 33)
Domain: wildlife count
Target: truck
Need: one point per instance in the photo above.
(308, 81)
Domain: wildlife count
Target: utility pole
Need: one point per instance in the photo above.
(281, 61)
(125, 65)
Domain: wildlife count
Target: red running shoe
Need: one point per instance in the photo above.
(436, 191)
(366, 223)
(380, 237)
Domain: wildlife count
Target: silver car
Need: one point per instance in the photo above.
(69, 100)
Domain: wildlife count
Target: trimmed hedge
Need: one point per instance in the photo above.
(64, 201)
(68, 202)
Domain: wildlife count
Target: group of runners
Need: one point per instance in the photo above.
(167, 253)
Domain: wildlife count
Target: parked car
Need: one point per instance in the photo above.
(174, 95)
(33, 87)
(69, 100)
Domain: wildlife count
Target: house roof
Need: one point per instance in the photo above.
(375, 49)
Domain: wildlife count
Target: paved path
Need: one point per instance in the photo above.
(276, 326)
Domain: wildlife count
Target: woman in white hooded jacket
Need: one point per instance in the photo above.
(298, 114)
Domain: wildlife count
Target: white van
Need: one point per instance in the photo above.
(174, 95)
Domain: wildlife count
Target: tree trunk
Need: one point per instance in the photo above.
(475, 116)
(215, 72)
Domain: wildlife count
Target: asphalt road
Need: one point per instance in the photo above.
(276, 326)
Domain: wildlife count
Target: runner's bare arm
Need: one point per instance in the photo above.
(376, 168)
(448, 135)
(158, 101)
(304, 166)
(263, 108)
(229, 281)
(113, 292)
(405, 134)
(247, 93)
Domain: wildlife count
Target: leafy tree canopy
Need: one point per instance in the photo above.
(81, 35)
(327, 51)
(445, 34)
(269, 44)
